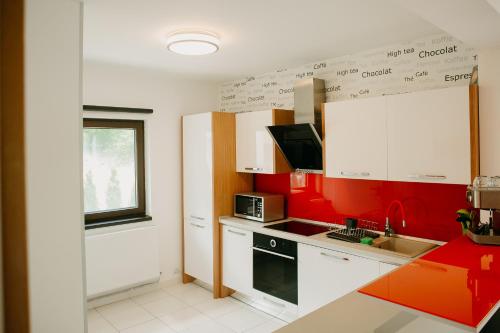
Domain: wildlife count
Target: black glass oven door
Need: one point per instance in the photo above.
(275, 274)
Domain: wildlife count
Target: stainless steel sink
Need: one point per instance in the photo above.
(401, 246)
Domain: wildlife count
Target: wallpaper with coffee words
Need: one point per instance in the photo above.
(429, 63)
(435, 62)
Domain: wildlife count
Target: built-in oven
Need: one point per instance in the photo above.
(275, 267)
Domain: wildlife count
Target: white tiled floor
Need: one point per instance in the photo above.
(180, 308)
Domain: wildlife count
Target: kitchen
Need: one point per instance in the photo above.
(211, 174)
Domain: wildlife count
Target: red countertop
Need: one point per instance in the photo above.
(459, 281)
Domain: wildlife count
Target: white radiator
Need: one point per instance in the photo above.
(119, 260)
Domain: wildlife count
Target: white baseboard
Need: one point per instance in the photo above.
(285, 311)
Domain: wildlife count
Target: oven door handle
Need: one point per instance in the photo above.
(274, 253)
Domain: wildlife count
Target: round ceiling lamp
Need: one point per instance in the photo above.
(193, 43)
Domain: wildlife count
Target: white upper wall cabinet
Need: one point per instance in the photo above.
(429, 136)
(356, 139)
(255, 148)
(416, 137)
(197, 167)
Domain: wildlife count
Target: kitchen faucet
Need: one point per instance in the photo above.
(388, 231)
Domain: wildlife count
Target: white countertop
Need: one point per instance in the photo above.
(321, 240)
(358, 313)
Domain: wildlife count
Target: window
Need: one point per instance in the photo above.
(113, 170)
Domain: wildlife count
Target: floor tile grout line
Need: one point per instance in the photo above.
(130, 299)
(163, 315)
(148, 321)
(106, 320)
(267, 317)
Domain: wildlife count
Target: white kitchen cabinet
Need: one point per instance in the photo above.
(255, 148)
(237, 259)
(198, 249)
(429, 136)
(325, 275)
(356, 139)
(385, 267)
(210, 181)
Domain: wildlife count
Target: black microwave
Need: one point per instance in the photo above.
(261, 207)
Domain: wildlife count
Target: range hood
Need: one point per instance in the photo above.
(301, 143)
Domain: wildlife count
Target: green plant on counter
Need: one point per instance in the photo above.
(465, 218)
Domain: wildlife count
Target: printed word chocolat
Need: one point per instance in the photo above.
(256, 98)
(383, 71)
(444, 50)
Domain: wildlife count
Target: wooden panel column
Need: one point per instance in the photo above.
(474, 130)
(227, 182)
(12, 164)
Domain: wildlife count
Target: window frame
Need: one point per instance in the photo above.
(120, 215)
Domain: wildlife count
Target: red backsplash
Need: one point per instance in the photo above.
(430, 208)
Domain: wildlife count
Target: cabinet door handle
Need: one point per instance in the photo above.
(197, 225)
(334, 257)
(236, 232)
(390, 263)
(197, 217)
(355, 174)
(254, 169)
(420, 176)
(273, 253)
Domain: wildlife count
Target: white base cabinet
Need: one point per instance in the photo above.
(326, 275)
(237, 259)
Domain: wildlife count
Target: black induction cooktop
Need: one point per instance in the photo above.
(298, 227)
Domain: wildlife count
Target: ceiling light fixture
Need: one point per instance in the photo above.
(193, 43)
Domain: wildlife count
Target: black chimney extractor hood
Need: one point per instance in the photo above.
(301, 143)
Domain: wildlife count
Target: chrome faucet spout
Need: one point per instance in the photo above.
(388, 231)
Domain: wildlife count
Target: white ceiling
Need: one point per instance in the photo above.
(474, 22)
(257, 36)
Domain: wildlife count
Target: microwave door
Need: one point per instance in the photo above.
(245, 206)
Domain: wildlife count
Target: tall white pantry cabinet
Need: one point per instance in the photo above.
(210, 181)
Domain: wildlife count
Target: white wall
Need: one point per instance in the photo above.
(53, 42)
(170, 96)
(489, 110)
